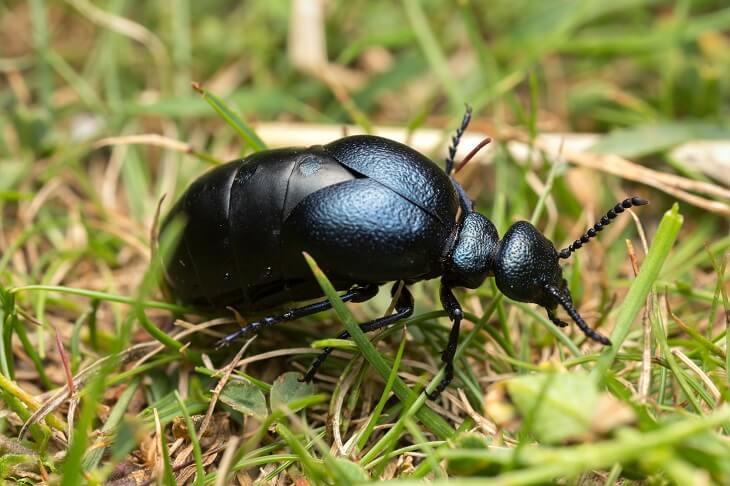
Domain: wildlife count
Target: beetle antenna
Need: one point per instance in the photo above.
(471, 154)
(456, 139)
(567, 304)
(605, 221)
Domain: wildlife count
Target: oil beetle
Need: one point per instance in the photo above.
(370, 211)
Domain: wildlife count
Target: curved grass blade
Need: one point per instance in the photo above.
(246, 132)
(375, 416)
(663, 241)
(197, 452)
(432, 420)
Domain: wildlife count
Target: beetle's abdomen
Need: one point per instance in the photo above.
(203, 209)
(230, 250)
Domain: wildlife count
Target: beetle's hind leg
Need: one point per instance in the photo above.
(356, 294)
(403, 310)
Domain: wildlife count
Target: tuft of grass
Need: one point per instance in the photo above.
(197, 453)
(435, 423)
(664, 240)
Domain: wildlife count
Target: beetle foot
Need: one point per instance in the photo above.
(554, 318)
(226, 341)
(221, 344)
(445, 381)
(306, 378)
(253, 328)
(309, 375)
(229, 339)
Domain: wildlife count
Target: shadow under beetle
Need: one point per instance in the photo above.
(370, 211)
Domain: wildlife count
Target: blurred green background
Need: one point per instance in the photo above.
(653, 72)
(589, 65)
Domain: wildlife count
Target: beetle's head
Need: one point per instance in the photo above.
(526, 268)
(526, 264)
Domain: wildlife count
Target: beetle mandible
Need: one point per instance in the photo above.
(370, 211)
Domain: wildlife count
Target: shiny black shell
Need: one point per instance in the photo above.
(368, 209)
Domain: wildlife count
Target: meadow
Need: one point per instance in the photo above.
(111, 108)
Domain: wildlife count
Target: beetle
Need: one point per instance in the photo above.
(370, 211)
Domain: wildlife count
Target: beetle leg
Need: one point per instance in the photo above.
(453, 308)
(554, 318)
(404, 309)
(356, 294)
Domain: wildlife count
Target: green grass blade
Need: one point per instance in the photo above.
(432, 50)
(77, 82)
(390, 439)
(368, 430)
(663, 241)
(94, 455)
(548, 463)
(428, 452)
(40, 34)
(102, 296)
(181, 45)
(246, 132)
(432, 420)
(72, 471)
(312, 466)
(168, 477)
(197, 453)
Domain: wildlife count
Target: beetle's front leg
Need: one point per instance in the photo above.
(453, 308)
(554, 318)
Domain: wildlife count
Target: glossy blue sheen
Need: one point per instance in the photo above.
(368, 209)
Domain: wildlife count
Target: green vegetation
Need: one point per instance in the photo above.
(103, 378)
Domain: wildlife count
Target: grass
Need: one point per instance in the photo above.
(100, 118)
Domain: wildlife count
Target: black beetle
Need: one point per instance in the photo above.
(370, 211)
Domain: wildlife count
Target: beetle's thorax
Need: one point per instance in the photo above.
(470, 259)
